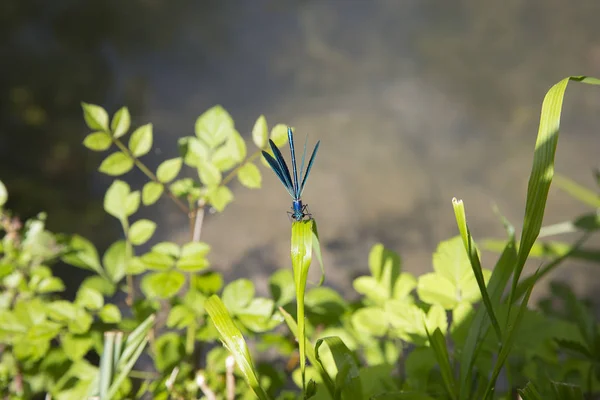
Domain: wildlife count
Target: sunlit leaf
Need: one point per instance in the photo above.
(214, 126)
(115, 261)
(141, 231)
(132, 203)
(238, 294)
(209, 174)
(162, 285)
(220, 197)
(95, 117)
(279, 134)
(193, 257)
(97, 141)
(152, 192)
(115, 199)
(89, 298)
(249, 176)
(140, 141)
(3, 194)
(120, 123)
(193, 151)
(260, 132)
(169, 169)
(116, 164)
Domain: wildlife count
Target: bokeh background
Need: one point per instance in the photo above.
(415, 102)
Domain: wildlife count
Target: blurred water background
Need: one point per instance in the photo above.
(415, 102)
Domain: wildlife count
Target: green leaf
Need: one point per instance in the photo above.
(135, 266)
(208, 283)
(97, 141)
(257, 315)
(230, 154)
(140, 141)
(193, 151)
(530, 392)
(209, 174)
(279, 134)
(235, 343)
(219, 197)
(347, 381)
(89, 298)
(249, 176)
(152, 192)
(542, 170)
(3, 194)
(238, 294)
(141, 231)
(95, 117)
(116, 198)
(566, 391)
(193, 257)
(115, 261)
(214, 126)
(168, 170)
(116, 164)
(76, 346)
(162, 285)
(438, 343)
(50, 285)
(132, 203)
(110, 314)
(83, 254)
(157, 261)
(260, 132)
(167, 248)
(120, 123)
(371, 320)
(281, 284)
(180, 317)
(61, 311)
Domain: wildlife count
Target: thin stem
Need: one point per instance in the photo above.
(230, 377)
(198, 220)
(151, 175)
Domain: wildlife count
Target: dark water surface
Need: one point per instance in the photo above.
(415, 102)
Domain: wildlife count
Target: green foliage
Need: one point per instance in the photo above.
(451, 331)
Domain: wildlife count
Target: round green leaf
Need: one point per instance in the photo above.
(433, 288)
(168, 170)
(140, 142)
(260, 132)
(132, 203)
(152, 192)
(167, 248)
(219, 197)
(141, 231)
(115, 261)
(110, 314)
(116, 198)
(3, 194)
(89, 298)
(209, 174)
(135, 266)
(180, 316)
(76, 346)
(238, 294)
(97, 141)
(120, 123)
(95, 117)
(157, 261)
(162, 285)
(192, 150)
(279, 134)
(370, 320)
(281, 285)
(249, 176)
(193, 257)
(116, 164)
(50, 285)
(208, 282)
(214, 126)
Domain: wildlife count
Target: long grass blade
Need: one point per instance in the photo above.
(347, 381)
(542, 171)
(438, 344)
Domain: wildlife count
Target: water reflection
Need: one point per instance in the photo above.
(415, 102)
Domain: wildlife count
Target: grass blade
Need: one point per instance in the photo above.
(235, 343)
(438, 344)
(347, 381)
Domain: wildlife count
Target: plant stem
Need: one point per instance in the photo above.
(151, 175)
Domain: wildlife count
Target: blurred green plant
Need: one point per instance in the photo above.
(460, 332)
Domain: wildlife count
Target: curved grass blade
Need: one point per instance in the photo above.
(542, 171)
(294, 167)
(310, 353)
(309, 166)
(530, 392)
(282, 166)
(275, 167)
(470, 247)
(234, 342)
(347, 381)
(301, 253)
(317, 250)
(438, 344)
